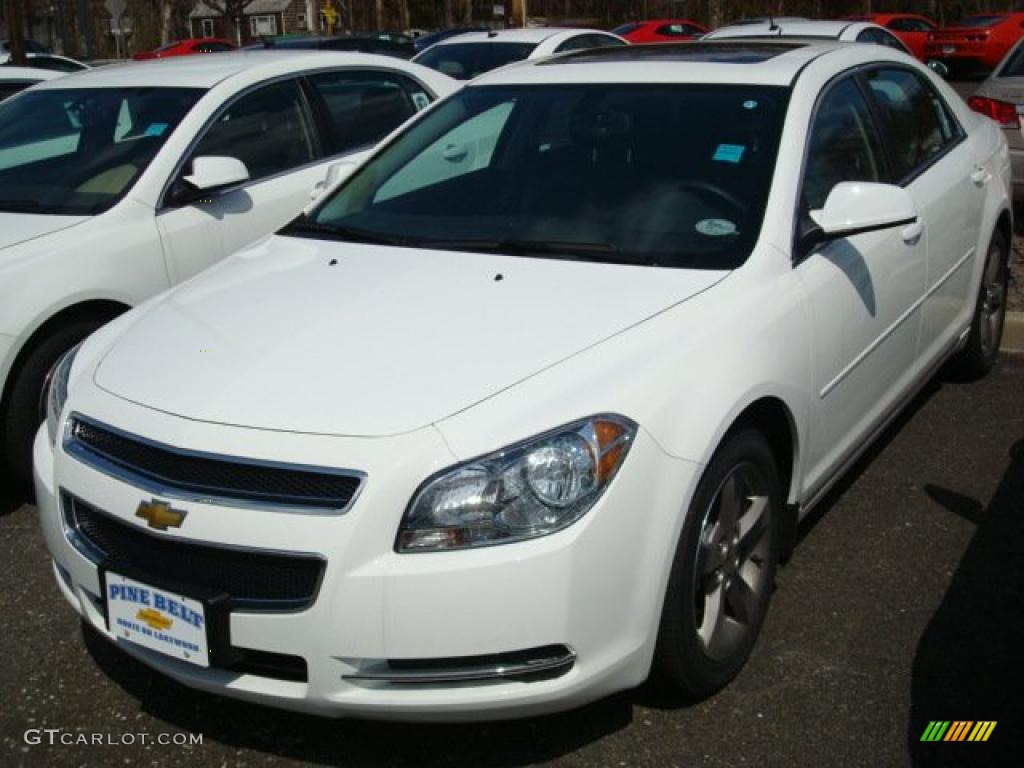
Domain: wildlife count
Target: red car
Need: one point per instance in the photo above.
(660, 30)
(912, 29)
(187, 48)
(977, 42)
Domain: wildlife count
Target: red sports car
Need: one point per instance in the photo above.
(660, 30)
(187, 48)
(912, 29)
(977, 42)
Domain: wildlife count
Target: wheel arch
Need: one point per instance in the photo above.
(774, 419)
(88, 309)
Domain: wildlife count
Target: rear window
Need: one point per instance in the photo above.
(981, 21)
(464, 61)
(625, 29)
(1014, 66)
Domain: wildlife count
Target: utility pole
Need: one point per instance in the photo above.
(15, 32)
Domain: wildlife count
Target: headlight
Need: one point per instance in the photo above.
(57, 393)
(527, 490)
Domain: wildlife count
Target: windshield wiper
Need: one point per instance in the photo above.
(605, 253)
(304, 226)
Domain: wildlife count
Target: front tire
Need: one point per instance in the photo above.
(723, 573)
(25, 408)
(982, 348)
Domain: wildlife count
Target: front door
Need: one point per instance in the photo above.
(861, 290)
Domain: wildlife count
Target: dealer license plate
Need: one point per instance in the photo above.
(155, 618)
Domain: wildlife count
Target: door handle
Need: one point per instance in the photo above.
(980, 177)
(912, 232)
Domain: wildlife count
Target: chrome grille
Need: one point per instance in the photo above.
(195, 476)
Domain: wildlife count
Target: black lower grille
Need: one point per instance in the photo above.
(279, 666)
(173, 471)
(253, 579)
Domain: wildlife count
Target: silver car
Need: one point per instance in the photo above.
(1001, 97)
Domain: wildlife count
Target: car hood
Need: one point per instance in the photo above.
(18, 228)
(343, 339)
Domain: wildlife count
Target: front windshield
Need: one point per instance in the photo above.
(669, 175)
(464, 61)
(78, 151)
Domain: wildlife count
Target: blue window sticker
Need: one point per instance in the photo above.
(156, 129)
(729, 153)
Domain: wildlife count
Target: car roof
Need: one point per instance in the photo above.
(206, 71)
(22, 74)
(788, 28)
(527, 35)
(752, 62)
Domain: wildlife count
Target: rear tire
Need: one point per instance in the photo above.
(723, 573)
(982, 348)
(26, 405)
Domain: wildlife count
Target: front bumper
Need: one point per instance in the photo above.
(595, 588)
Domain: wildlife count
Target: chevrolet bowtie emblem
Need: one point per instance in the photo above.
(159, 515)
(154, 619)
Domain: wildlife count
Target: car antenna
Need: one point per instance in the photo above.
(772, 26)
(491, 33)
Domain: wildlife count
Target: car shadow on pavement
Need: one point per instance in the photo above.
(10, 500)
(968, 664)
(354, 743)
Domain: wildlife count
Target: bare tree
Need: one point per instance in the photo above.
(15, 31)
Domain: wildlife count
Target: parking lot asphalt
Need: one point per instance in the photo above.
(901, 605)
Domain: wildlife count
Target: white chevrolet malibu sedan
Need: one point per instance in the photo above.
(530, 404)
(119, 182)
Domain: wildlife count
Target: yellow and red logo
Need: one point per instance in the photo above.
(154, 619)
(958, 730)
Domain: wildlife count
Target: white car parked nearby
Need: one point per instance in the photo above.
(842, 30)
(16, 79)
(471, 54)
(495, 432)
(118, 182)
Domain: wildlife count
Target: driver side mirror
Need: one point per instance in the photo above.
(210, 173)
(856, 207)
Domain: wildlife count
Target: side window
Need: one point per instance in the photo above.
(363, 107)
(918, 124)
(577, 43)
(844, 145)
(672, 30)
(603, 41)
(269, 130)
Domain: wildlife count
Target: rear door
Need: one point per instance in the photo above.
(931, 157)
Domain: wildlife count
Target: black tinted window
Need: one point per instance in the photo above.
(464, 61)
(844, 145)
(881, 37)
(55, 64)
(910, 25)
(918, 124)
(363, 107)
(269, 130)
